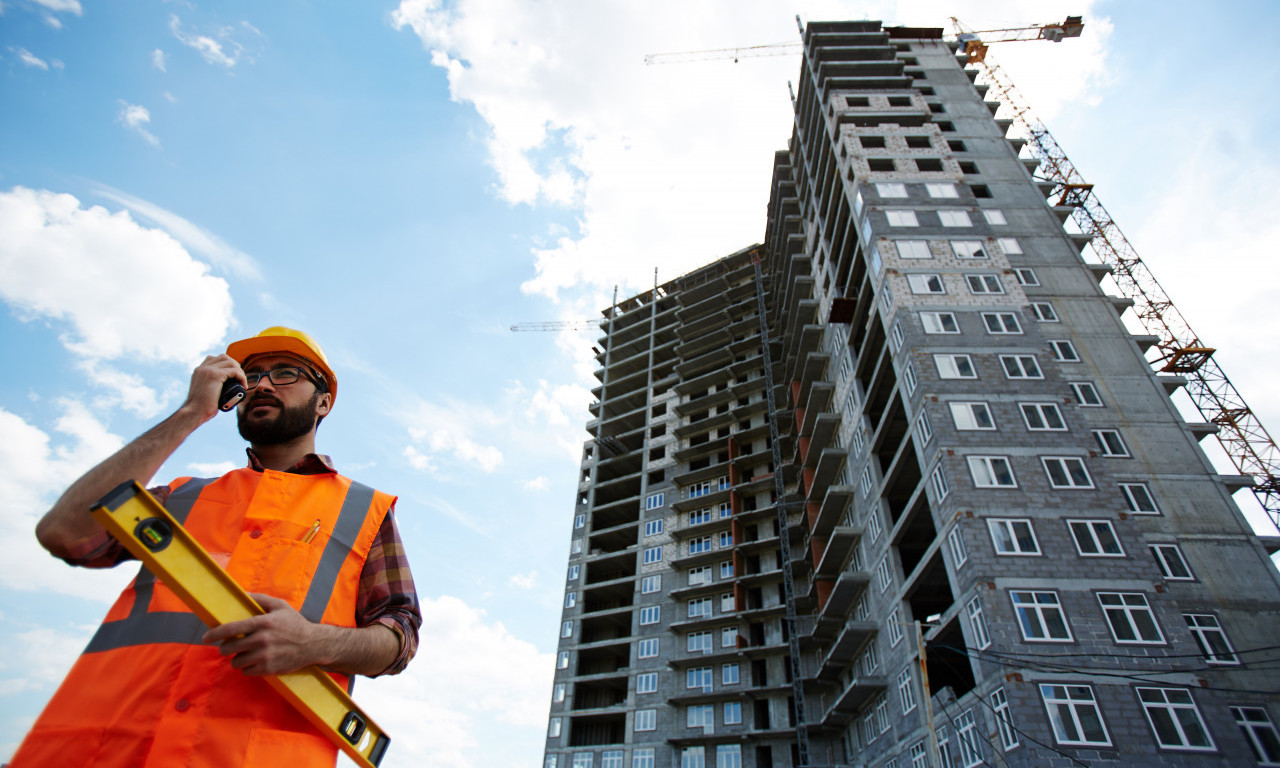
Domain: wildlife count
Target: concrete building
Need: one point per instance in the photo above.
(963, 442)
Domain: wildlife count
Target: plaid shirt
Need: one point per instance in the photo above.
(387, 595)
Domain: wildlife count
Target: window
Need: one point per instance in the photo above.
(881, 164)
(923, 429)
(978, 624)
(699, 642)
(647, 649)
(562, 660)
(647, 682)
(1208, 634)
(1044, 312)
(1095, 538)
(732, 712)
(895, 335)
(1042, 417)
(552, 761)
(921, 283)
(646, 719)
(882, 714)
(652, 527)
(969, 416)
(1066, 472)
(699, 576)
(576, 547)
(1013, 537)
(867, 142)
(959, 554)
(566, 629)
(905, 693)
(726, 569)
(1173, 566)
(1063, 351)
(650, 584)
(941, 190)
(729, 638)
(884, 573)
(1001, 322)
(967, 735)
(1138, 498)
(901, 218)
(698, 677)
(1130, 618)
(699, 607)
(583, 759)
(938, 481)
(913, 249)
(557, 693)
(1086, 394)
(939, 322)
(891, 189)
(726, 539)
(954, 218)
(1011, 247)
(873, 524)
(651, 614)
(574, 570)
(1174, 719)
(654, 501)
(693, 757)
(579, 521)
(700, 715)
(652, 555)
(1040, 616)
(908, 384)
(1110, 443)
(994, 217)
(729, 672)
(1004, 719)
(894, 626)
(1074, 714)
(968, 249)
(1021, 367)
(700, 544)
(699, 516)
(1260, 732)
(611, 758)
(944, 748)
(553, 728)
(991, 472)
(1026, 277)
(984, 284)
(955, 367)
(570, 599)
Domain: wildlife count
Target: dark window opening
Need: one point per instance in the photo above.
(871, 142)
(968, 167)
(881, 164)
(957, 146)
(928, 164)
(919, 142)
(980, 190)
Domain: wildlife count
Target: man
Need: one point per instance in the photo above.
(320, 553)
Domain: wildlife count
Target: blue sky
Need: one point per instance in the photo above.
(406, 181)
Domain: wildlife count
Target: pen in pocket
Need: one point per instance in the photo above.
(311, 534)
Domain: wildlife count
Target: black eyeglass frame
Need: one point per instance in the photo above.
(254, 378)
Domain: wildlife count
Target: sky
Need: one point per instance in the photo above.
(406, 181)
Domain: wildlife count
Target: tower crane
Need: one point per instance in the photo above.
(557, 325)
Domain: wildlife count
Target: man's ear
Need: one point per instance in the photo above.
(324, 404)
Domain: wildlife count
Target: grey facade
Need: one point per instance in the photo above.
(964, 434)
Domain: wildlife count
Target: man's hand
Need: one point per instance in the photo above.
(206, 385)
(274, 643)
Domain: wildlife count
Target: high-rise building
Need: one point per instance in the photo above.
(897, 487)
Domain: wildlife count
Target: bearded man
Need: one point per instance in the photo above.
(318, 551)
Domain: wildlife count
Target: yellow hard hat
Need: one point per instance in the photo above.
(279, 339)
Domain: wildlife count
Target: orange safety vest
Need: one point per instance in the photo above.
(146, 693)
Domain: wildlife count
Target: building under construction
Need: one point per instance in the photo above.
(897, 487)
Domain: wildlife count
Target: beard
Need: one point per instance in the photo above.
(290, 423)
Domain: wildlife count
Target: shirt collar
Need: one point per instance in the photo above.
(311, 464)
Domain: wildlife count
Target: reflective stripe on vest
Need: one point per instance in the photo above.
(143, 627)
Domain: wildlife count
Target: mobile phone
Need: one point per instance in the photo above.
(232, 393)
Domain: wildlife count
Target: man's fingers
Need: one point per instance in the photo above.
(230, 629)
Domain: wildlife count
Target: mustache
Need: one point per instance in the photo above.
(263, 399)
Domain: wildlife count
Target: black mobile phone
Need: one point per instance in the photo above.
(232, 393)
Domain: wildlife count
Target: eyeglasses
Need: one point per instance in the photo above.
(278, 376)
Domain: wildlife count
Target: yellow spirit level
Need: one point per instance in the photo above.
(146, 529)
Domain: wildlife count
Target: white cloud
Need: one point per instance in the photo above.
(220, 49)
(524, 581)
(418, 460)
(136, 118)
(30, 59)
(62, 261)
(201, 241)
(61, 6)
(158, 60)
(448, 430)
(39, 658)
(124, 390)
(471, 679)
(212, 468)
(33, 470)
(540, 483)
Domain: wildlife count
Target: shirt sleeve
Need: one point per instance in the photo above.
(102, 550)
(387, 595)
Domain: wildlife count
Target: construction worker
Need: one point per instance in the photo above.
(157, 688)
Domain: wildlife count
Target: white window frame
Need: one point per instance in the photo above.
(955, 366)
(650, 614)
(699, 544)
(555, 727)
(884, 573)
(1013, 536)
(732, 712)
(1086, 394)
(653, 527)
(570, 599)
(1021, 367)
(969, 249)
(901, 217)
(1004, 719)
(991, 472)
(939, 323)
(984, 284)
(1173, 566)
(562, 660)
(1255, 723)
(939, 483)
(1001, 323)
(1010, 246)
(1068, 707)
(956, 541)
(967, 736)
(699, 576)
(699, 608)
(653, 555)
(995, 217)
(972, 416)
(1042, 417)
(978, 623)
(926, 283)
(1204, 626)
(579, 521)
(1044, 312)
(954, 217)
(699, 715)
(647, 682)
(1111, 444)
(1174, 707)
(924, 430)
(895, 342)
(1090, 542)
(651, 584)
(1137, 496)
(566, 628)
(942, 190)
(647, 648)
(894, 627)
(1130, 618)
(654, 500)
(1065, 474)
(1026, 277)
(726, 569)
(913, 249)
(891, 189)
(908, 384)
(698, 678)
(906, 694)
(1063, 351)
(729, 673)
(1037, 604)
